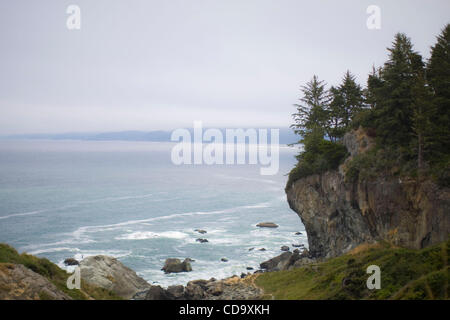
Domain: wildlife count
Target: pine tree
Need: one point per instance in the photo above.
(393, 94)
(311, 112)
(422, 126)
(438, 76)
(347, 101)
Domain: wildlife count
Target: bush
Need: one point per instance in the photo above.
(319, 156)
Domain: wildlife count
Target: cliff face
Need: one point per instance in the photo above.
(339, 215)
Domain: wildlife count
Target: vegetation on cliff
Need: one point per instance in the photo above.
(405, 107)
(405, 274)
(57, 276)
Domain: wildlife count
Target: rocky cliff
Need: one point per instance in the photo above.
(340, 215)
(17, 282)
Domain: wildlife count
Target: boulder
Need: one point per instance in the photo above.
(176, 292)
(109, 273)
(175, 265)
(193, 291)
(158, 293)
(267, 225)
(277, 263)
(215, 288)
(284, 248)
(71, 262)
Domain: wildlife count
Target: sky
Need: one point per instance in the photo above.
(161, 64)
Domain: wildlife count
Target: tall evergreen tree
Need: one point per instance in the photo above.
(347, 101)
(311, 111)
(393, 97)
(423, 113)
(438, 76)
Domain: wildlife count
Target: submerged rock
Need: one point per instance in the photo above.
(267, 225)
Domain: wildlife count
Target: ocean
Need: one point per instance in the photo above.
(61, 199)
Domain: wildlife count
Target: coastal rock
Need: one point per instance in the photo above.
(215, 288)
(17, 282)
(233, 288)
(158, 293)
(175, 265)
(194, 291)
(267, 225)
(201, 240)
(176, 292)
(71, 262)
(200, 231)
(284, 248)
(224, 260)
(109, 273)
(339, 215)
(277, 263)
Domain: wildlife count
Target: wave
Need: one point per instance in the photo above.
(223, 176)
(21, 214)
(77, 203)
(80, 232)
(143, 235)
(39, 251)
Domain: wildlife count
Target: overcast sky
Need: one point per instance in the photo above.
(147, 65)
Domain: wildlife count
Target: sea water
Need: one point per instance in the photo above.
(61, 199)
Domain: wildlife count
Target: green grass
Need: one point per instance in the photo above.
(405, 274)
(54, 274)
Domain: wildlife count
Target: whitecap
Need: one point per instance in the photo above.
(143, 235)
(21, 214)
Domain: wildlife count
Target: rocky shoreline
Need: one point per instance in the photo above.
(110, 274)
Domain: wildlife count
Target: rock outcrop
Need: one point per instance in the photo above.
(233, 288)
(20, 283)
(175, 265)
(109, 273)
(287, 261)
(339, 215)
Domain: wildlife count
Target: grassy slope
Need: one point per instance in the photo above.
(405, 274)
(54, 274)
